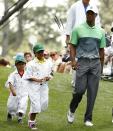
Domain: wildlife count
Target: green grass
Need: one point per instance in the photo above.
(54, 119)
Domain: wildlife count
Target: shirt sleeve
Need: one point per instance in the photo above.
(74, 37)
(103, 40)
(70, 21)
(10, 80)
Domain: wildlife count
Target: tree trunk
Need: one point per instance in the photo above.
(19, 36)
(5, 40)
(18, 5)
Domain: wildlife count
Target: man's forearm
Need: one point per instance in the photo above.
(67, 39)
(101, 52)
(72, 52)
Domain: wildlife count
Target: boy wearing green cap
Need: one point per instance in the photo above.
(18, 98)
(38, 73)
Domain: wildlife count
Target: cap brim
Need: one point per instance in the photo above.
(92, 11)
(39, 50)
(19, 61)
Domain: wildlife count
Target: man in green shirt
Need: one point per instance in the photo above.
(87, 45)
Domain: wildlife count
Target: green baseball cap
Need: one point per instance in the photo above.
(20, 58)
(38, 47)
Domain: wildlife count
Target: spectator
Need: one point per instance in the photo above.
(4, 62)
(57, 61)
(76, 16)
(46, 54)
(28, 56)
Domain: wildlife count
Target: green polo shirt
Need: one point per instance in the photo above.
(88, 40)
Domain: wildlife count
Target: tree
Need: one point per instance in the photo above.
(19, 33)
(38, 21)
(43, 22)
(11, 40)
(70, 2)
(17, 6)
(5, 40)
(106, 13)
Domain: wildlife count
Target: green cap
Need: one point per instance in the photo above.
(38, 47)
(20, 58)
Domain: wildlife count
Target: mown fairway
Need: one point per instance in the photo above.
(54, 119)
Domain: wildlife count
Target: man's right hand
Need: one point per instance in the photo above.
(74, 65)
(67, 39)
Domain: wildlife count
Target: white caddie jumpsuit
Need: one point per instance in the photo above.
(16, 104)
(38, 92)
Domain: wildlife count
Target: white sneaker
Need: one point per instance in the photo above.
(70, 117)
(88, 123)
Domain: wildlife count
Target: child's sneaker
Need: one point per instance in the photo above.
(32, 125)
(20, 121)
(9, 117)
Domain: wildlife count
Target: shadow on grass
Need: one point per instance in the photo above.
(13, 126)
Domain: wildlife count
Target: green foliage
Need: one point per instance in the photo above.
(70, 2)
(54, 119)
(44, 24)
(40, 22)
(106, 13)
(3, 76)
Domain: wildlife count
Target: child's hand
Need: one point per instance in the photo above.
(12, 89)
(47, 78)
(14, 92)
(36, 80)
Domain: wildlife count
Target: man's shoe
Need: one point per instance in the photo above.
(9, 117)
(70, 117)
(88, 123)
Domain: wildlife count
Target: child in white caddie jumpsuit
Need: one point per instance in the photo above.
(18, 98)
(38, 73)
